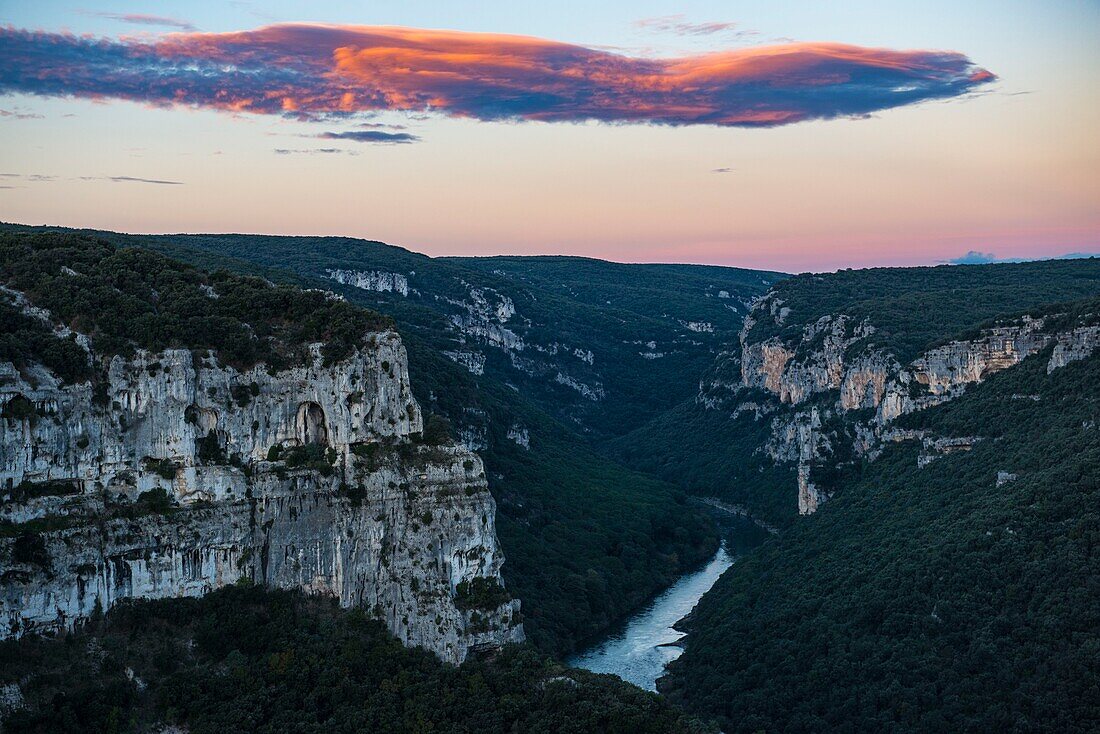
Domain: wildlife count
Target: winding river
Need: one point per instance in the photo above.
(639, 651)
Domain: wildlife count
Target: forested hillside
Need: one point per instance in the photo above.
(572, 334)
(961, 596)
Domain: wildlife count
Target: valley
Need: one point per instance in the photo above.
(568, 452)
(533, 368)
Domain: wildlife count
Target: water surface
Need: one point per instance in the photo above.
(633, 652)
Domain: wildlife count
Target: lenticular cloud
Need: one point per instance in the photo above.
(324, 70)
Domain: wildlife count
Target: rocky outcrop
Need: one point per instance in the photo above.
(594, 393)
(520, 436)
(474, 362)
(864, 383)
(1073, 345)
(963, 362)
(699, 327)
(162, 406)
(933, 448)
(816, 363)
(943, 372)
(379, 281)
(763, 365)
(799, 439)
(833, 365)
(176, 474)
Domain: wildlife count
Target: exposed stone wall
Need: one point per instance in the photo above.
(378, 281)
(379, 522)
(834, 366)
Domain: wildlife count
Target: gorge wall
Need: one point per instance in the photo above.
(831, 393)
(176, 474)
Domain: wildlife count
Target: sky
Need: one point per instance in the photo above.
(788, 136)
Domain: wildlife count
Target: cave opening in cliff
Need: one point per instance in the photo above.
(310, 424)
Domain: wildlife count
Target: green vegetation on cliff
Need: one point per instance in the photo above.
(709, 450)
(134, 298)
(714, 454)
(585, 539)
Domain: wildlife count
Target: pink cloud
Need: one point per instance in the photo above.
(318, 70)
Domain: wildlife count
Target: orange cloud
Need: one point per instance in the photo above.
(318, 70)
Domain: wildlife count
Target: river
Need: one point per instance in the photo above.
(634, 652)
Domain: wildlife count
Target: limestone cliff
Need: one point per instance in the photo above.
(831, 393)
(176, 474)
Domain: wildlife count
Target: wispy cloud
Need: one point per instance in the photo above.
(18, 114)
(371, 136)
(36, 177)
(317, 70)
(39, 177)
(678, 25)
(722, 170)
(132, 179)
(142, 19)
(312, 151)
(380, 126)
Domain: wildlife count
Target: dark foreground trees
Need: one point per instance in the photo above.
(248, 660)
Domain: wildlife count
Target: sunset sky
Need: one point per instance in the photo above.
(783, 135)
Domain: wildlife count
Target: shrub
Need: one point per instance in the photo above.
(30, 548)
(209, 449)
(480, 593)
(155, 501)
(311, 456)
(166, 468)
(437, 430)
(19, 409)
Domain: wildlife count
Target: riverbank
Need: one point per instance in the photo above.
(640, 647)
(639, 650)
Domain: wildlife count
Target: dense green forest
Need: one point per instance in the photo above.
(714, 454)
(917, 599)
(934, 599)
(127, 298)
(913, 308)
(246, 659)
(585, 539)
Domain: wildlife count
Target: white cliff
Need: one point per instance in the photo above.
(378, 281)
(833, 365)
(310, 478)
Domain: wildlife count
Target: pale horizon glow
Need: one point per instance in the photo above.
(1008, 168)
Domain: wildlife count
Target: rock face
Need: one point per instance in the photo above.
(372, 280)
(960, 363)
(795, 372)
(309, 478)
(820, 385)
